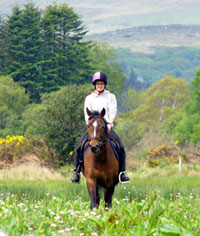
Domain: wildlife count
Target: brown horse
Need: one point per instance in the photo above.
(101, 166)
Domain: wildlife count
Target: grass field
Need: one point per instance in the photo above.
(150, 204)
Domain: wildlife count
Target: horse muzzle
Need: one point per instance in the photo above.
(95, 149)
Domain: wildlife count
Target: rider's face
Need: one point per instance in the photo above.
(100, 85)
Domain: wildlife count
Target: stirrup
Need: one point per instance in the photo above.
(73, 180)
(123, 182)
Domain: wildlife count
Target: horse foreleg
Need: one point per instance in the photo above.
(108, 193)
(97, 197)
(93, 192)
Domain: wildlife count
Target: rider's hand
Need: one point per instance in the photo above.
(109, 127)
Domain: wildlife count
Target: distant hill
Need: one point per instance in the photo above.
(140, 25)
(149, 38)
(102, 15)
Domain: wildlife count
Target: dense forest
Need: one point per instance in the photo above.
(46, 67)
(143, 70)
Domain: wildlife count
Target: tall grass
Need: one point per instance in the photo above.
(52, 216)
(138, 189)
(41, 183)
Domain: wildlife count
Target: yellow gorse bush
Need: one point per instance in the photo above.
(162, 153)
(12, 139)
(12, 148)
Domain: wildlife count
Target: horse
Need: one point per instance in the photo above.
(101, 167)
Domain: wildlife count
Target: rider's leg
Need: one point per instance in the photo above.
(77, 167)
(123, 178)
(78, 158)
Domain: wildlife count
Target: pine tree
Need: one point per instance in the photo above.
(65, 56)
(24, 49)
(4, 59)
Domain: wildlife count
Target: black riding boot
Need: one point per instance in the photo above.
(77, 168)
(123, 178)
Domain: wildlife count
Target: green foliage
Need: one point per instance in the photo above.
(44, 50)
(65, 55)
(24, 49)
(179, 62)
(162, 100)
(129, 131)
(13, 102)
(130, 100)
(103, 60)
(188, 128)
(32, 119)
(63, 121)
(144, 207)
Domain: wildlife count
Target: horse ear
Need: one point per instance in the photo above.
(103, 112)
(88, 112)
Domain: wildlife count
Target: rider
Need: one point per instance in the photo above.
(101, 98)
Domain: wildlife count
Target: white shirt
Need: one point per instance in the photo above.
(96, 102)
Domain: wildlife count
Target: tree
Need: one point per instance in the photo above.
(4, 59)
(63, 119)
(188, 128)
(65, 54)
(46, 50)
(129, 131)
(130, 100)
(157, 103)
(13, 102)
(24, 49)
(166, 96)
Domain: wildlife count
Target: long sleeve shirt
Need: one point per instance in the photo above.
(95, 102)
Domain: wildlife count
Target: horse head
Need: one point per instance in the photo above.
(96, 130)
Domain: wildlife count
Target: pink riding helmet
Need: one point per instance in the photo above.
(99, 76)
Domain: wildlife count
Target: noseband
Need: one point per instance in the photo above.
(101, 141)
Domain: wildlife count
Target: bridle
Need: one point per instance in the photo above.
(101, 141)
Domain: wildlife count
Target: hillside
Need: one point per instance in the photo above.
(139, 25)
(148, 38)
(102, 16)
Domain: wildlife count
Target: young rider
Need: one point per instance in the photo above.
(101, 98)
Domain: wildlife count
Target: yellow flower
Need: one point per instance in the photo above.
(176, 142)
(71, 153)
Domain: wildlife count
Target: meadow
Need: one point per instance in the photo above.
(155, 202)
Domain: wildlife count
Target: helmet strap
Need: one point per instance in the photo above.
(100, 92)
(97, 91)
